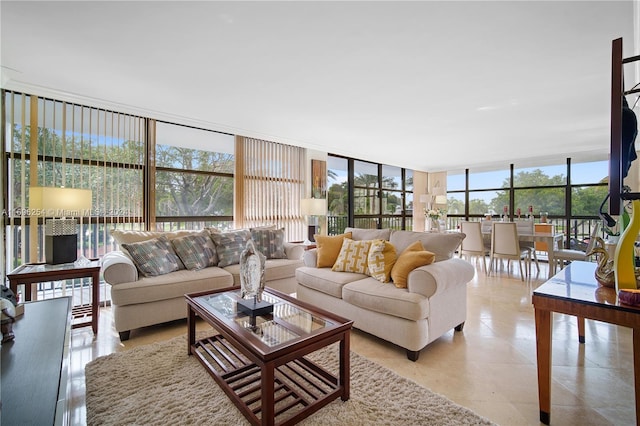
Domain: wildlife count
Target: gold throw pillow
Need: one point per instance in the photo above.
(329, 248)
(411, 258)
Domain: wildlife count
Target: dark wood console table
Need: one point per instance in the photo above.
(31, 273)
(574, 291)
(35, 387)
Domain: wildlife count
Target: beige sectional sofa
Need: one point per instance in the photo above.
(139, 301)
(433, 302)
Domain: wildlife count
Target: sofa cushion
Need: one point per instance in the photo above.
(274, 269)
(325, 280)
(153, 257)
(373, 295)
(230, 245)
(369, 234)
(353, 257)
(125, 237)
(381, 258)
(442, 244)
(413, 257)
(196, 251)
(328, 248)
(269, 242)
(169, 286)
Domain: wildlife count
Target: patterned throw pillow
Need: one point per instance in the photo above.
(154, 257)
(230, 245)
(382, 256)
(269, 242)
(353, 257)
(196, 251)
(411, 258)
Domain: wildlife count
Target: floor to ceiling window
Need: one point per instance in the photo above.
(51, 143)
(194, 171)
(569, 195)
(368, 195)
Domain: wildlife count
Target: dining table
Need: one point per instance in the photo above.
(553, 240)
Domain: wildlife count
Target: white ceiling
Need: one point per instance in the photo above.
(430, 86)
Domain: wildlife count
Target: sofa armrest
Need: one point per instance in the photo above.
(430, 279)
(294, 251)
(117, 268)
(310, 258)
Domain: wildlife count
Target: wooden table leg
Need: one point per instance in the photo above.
(345, 366)
(95, 300)
(636, 370)
(580, 329)
(551, 259)
(267, 389)
(543, 351)
(191, 329)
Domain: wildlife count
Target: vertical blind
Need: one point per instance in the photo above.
(60, 144)
(269, 185)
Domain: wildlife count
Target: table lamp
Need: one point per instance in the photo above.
(441, 199)
(61, 235)
(426, 199)
(313, 207)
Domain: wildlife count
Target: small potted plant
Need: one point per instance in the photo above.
(612, 234)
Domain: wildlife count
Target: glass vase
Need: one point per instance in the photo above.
(624, 259)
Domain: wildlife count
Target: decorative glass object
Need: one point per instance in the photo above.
(252, 272)
(252, 283)
(624, 261)
(8, 315)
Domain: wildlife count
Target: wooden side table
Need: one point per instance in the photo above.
(31, 273)
(574, 291)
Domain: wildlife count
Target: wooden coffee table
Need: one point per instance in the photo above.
(263, 369)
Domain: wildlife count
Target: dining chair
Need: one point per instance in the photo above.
(506, 245)
(473, 244)
(562, 255)
(527, 227)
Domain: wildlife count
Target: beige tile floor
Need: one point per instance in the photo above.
(490, 367)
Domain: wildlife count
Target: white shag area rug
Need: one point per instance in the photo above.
(160, 384)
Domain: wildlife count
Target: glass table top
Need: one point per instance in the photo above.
(577, 283)
(36, 268)
(286, 323)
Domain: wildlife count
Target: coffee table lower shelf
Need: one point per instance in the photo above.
(300, 386)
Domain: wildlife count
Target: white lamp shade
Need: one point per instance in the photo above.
(441, 199)
(313, 206)
(59, 202)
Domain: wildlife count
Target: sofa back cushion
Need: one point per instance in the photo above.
(359, 234)
(124, 237)
(442, 244)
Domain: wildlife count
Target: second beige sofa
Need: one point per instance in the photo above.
(434, 302)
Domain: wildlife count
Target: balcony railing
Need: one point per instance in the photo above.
(337, 224)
